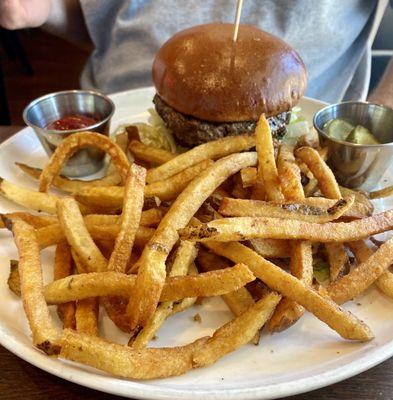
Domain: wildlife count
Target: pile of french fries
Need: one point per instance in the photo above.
(162, 231)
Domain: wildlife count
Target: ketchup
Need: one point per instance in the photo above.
(71, 122)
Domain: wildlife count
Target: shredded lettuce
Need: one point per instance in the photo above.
(321, 270)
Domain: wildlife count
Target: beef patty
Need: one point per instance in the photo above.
(190, 131)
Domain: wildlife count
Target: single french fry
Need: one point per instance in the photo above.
(298, 211)
(130, 218)
(126, 362)
(244, 228)
(13, 280)
(380, 194)
(78, 236)
(151, 272)
(211, 150)
(343, 322)
(63, 267)
(361, 277)
(86, 316)
(267, 170)
(36, 221)
(338, 260)
(289, 174)
(237, 332)
(149, 153)
(288, 311)
(45, 335)
(326, 180)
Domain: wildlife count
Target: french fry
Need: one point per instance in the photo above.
(185, 255)
(360, 197)
(237, 301)
(326, 180)
(78, 236)
(126, 362)
(130, 218)
(271, 248)
(112, 196)
(75, 142)
(13, 280)
(151, 273)
(289, 174)
(268, 182)
(236, 332)
(36, 221)
(32, 199)
(150, 154)
(288, 311)
(53, 234)
(373, 268)
(248, 176)
(94, 284)
(343, 322)
(338, 260)
(71, 185)
(86, 316)
(45, 335)
(380, 194)
(297, 211)
(63, 267)
(211, 150)
(245, 228)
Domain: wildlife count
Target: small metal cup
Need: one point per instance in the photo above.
(51, 107)
(354, 165)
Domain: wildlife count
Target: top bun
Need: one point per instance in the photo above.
(201, 73)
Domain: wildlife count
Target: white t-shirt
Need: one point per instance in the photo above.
(332, 37)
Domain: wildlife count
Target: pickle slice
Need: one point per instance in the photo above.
(361, 135)
(338, 129)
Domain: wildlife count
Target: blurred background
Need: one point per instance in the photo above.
(33, 63)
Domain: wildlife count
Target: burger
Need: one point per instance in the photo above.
(209, 86)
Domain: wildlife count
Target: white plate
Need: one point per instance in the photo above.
(305, 357)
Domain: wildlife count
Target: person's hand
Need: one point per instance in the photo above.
(18, 14)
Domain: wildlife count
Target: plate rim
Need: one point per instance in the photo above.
(143, 390)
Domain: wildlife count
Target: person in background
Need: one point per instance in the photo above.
(333, 37)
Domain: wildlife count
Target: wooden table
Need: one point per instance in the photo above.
(20, 380)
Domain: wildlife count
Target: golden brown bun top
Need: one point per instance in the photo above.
(196, 73)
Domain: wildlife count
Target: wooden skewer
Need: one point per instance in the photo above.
(239, 6)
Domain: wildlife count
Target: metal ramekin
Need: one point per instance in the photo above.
(354, 165)
(51, 107)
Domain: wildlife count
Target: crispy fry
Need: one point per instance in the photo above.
(373, 268)
(271, 248)
(211, 150)
(338, 260)
(75, 142)
(126, 362)
(244, 228)
(297, 211)
(53, 234)
(267, 170)
(151, 273)
(112, 196)
(326, 180)
(380, 194)
(288, 311)
(289, 174)
(78, 236)
(63, 267)
(344, 323)
(36, 221)
(236, 332)
(131, 215)
(94, 284)
(45, 335)
(185, 255)
(248, 176)
(86, 316)
(149, 153)
(13, 280)
(71, 185)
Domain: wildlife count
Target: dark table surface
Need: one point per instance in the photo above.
(20, 380)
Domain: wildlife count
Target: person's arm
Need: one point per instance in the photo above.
(63, 18)
(383, 93)
(18, 14)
